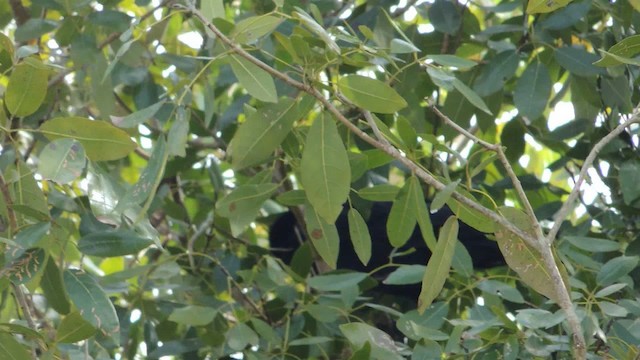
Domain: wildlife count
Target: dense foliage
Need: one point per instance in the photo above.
(146, 147)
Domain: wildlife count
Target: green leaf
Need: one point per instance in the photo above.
(212, 9)
(539, 318)
(439, 265)
(453, 61)
(441, 77)
(629, 179)
(136, 118)
(92, 303)
(324, 169)
(402, 217)
(443, 195)
(336, 282)
(506, 291)
(545, 6)
(616, 268)
(593, 244)
(53, 288)
(193, 315)
(240, 336)
(258, 82)
(383, 192)
(263, 131)
(26, 192)
(11, 349)
(149, 179)
(317, 29)
(252, 28)
(324, 236)
(34, 28)
(112, 243)
(74, 328)
(621, 53)
(27, 87)
(102, 141)
(360, 236)
(292, 198)
(179, 133)
(578, 61)
(532, 91)
(371, 94)
(522, 258)
(242, 204)
(419, 207)
(406, 274)
(471, 95)
(382, 345)
(399, 46)
(62, 161)
(496, 73)
(444, 17)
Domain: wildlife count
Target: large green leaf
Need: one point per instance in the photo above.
(62, 161)
(324, 169)
(316, 29)
(258, 82)
(242, 204)
(371, 94)
(382, 192)
(578, 61)
(263, 131)
(179, 133)
(11, 349)
(53, 288)
(336, 282)
(112, 243)
(496, 73)
(533, 90)
(324, 236)
(27, 87)
(101, 140)
(92, 303)
(471, 95)
(193, 315)
(74, 328)
(444, 17)
(616, 268)
(629, 179)
(136, 118)
(620, 53)
(252, 28)
(439, 265)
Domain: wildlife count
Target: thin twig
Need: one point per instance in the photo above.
(569, 204)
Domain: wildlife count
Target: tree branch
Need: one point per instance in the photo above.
(549, 261)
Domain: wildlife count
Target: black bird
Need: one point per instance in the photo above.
(284, 235)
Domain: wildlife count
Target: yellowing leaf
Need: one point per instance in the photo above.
(371, 94)
(102, 141)
(545, 6)
(522, 258)
(27, 87)
(325, 170)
